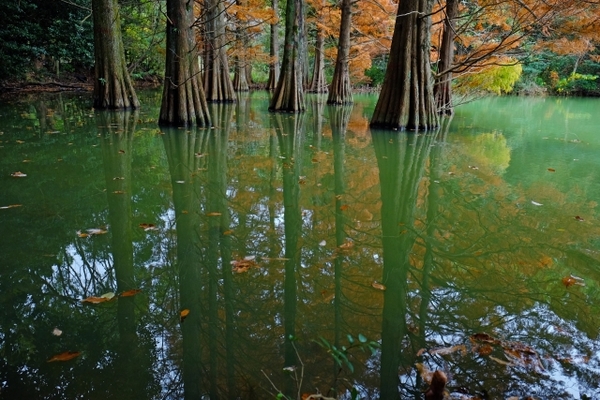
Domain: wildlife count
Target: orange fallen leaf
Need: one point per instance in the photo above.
(378, 286)
(551, 170)
(183, 314)
(18, 174)
(213, 214)
(344, 207)
(66, 356)
(95, 300)
(129, 293)
(346, 246)
(228, 232)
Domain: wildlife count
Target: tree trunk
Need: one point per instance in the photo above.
(289, 93)
(113, 88)
(341, 91)
(274, 51)
(406, 100)
(319, 84)
(217, 82)
(183, 101)
(443, 83)
(240, 78)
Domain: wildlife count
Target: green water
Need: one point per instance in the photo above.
(306, 252)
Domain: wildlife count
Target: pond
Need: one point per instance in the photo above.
(280, 255)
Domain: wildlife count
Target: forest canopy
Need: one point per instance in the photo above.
(523, 46)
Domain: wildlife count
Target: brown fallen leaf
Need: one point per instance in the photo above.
(578, 218)
(346, 246)
(344, 207)
(129, 293)
(148, 227)
(213, 214)
(378, 285)
(572, 280)
(66, 356)
(18, 174)
(121, 151)
(95, 300)
(119, 192)
(551, 170)
(11, 206)
(228, 232)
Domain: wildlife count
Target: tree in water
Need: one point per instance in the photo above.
(289, 93)
(113, 87)
(319, 83)
(183, 100)
(274, 49)
(341, 91)
(217, 82)
(443, 81)
(406, 100)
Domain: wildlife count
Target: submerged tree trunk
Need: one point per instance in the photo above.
(217, 82)
(274, 50)
(183, 101)
(341, 91)
(443, 83)
(240, 78)
(319, 84)
(113, 88)
(406, 100)
(289, 93)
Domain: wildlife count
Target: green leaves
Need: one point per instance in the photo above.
(341, 354)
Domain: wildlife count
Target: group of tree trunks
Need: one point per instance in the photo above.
(407, 99)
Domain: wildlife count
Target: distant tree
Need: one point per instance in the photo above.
(443, 82)
(113, 87)
(183, 99)
(217, 82)
(318, 83)
(289, 93)
(406, 100)
(274, 49)
(341, 89)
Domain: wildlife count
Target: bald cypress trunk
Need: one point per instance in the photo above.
(318, 83)
(289, 93)
(183, 101)
(274, 51)
(113, 88)
(240, 78)
(217, 82)
(340, 91)
(406, 100)
(443, 83)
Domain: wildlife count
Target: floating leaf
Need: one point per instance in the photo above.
(344, 207)
(362, 338)
(473, 167)
(95, 231)
(82, 234)
(213, 214)
(449, 350)
(180, 182)
(378, 285)
(183, 314)
(56, 332)
(578, 218)
(199, 155)
(228, 232)
(95, 300)
(121, 151)
(499, 361)
(241, 266)
(322, 243)
(572, 280)
(66, 356)
(551, 170)
(18, 174)
(129, 293)
(11, 206)
(119, 192)
(148, 227)
(535, 203)
(346, 246)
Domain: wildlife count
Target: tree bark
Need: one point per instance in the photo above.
(289, 93)
(443, 82)
(341, 91)
(217, 82)
(274, 51)
(113, 88)
(406, 100)
(240, 78)
(318, 83)
(183, 100)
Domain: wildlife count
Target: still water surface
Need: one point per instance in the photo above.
(298, 254)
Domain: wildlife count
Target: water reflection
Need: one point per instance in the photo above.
(276, 234)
